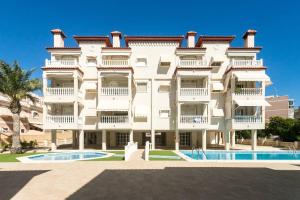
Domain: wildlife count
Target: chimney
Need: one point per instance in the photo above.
(116, 36)
(249, 37)
(58, 38)
(190, 36)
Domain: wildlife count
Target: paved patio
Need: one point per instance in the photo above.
(149, 180)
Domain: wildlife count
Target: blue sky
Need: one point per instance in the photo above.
(25, 26)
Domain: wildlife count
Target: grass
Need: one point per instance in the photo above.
(13, 157)
(163, 153)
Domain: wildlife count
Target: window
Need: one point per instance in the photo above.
(164, 88)
(141, 87)
(91, 62)
(141, 62)
(185, 139)
(122, 139)
(164, 113)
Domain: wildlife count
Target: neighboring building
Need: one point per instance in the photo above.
(297, 113)
(281, 106)
(31, 116)
(155, 89)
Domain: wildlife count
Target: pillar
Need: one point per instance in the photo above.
(177, 140)
(227, 140)
(131, 136)
(81, 140)
(73, 139)
(104, 140)
(53, 140)
(253, 139)
(153, 139)
(204, 140)
(233, 139)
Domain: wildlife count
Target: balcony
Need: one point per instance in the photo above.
(247, 119)
(114, 122)
(59, 91)
(247, 63)
(248, 92)
(193, 91)
(192, 63)
(114, 91)
(248, 122)
(62, 122)
(115, 63)
(193, 122)
(61, 63)
(61, 94)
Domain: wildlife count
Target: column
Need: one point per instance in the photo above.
(232, 139)
(81, 140)
(45, 84)
(131, 136)
(104, 140)
(204, 140)
(53, 139)
(253, 139)
(177, 140)
(153, 139)
(227, 140)
(76, 112)
(75, 76)
(73, 139)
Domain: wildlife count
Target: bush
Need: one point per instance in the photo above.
(287, 129)
(28, 145)
(246, 134)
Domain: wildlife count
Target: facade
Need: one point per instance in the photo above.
(154, 89)
(31, 116)
(281, 106)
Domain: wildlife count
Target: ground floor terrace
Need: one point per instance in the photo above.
(149, 180)
(175, 140)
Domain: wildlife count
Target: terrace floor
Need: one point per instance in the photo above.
(149, 180)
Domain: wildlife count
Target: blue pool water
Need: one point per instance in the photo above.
(243, 155)
(66, 156)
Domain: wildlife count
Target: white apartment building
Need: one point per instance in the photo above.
(174, 91)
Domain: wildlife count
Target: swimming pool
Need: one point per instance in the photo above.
(63, 156)
(242, 155)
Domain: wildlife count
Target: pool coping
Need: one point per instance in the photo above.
(189, 159)
(25, 159)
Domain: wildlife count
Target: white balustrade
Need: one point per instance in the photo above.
(247, 119)
(115, 63)
(193, 63)
(248, 91)
(247, 63)
(111, 119)
(114, 91)
(60, 119)
(59, 91)
(61, 63)
(193, 91)
(193, 119)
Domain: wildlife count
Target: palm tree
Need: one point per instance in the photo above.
(17, 85)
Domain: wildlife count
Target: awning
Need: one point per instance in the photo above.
(114, 105)
(252, 76)
(141, 111)
(218, 112)
(217, 86)
(91, 86)
(252, 102)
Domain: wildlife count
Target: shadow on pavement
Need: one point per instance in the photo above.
(193, 183)
(13, 181)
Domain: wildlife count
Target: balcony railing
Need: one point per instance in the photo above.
(247, 63)
(114, 91)
(192, 63)
(59, 91)
(61, 63)
(193, 91)
(248, 91)
(115, 63)
(110, 119)
(60, 119)
(193, 119)
(247, 119)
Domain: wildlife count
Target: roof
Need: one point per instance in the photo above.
(54, 31)
(204, 38)
(249, 32)
(154, 38)
(93, 38)
(62, 48)
(245, 48)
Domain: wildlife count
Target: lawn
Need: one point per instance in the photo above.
(163, 153)
(112, 158)
(13, 157)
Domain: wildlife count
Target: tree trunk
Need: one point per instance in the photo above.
(16, 145)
